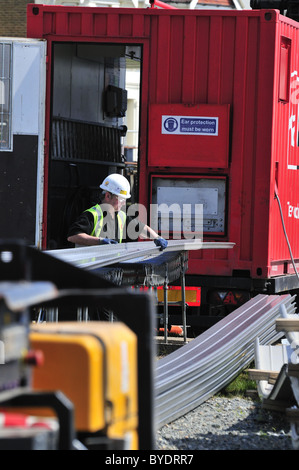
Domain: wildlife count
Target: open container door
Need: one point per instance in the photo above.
(22, 114)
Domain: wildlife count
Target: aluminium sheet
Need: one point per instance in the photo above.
(105, 255)
(198, 370)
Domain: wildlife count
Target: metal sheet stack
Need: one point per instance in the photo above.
(192, 374)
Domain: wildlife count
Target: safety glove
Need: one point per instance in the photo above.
(161, 242)
(108, 241)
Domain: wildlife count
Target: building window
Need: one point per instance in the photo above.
(5, 95)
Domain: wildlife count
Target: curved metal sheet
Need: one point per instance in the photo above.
(189, 376)
(106, 255)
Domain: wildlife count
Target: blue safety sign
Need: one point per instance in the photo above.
(190, 125)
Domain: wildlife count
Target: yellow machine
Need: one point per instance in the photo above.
(95, 365)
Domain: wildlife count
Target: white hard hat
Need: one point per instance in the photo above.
(117, 184)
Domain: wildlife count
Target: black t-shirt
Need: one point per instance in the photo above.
(85, 224)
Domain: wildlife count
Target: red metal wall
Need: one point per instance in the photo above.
(233, 58)
(217, 58)
(285, 157)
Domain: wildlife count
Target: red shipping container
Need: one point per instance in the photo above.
(239, 68)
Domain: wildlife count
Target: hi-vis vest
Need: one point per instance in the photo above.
(98, 218)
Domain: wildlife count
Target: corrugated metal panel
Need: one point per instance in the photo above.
(192, 374)
(85, 22)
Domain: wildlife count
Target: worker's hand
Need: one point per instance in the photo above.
(161, 242)
(108, 241)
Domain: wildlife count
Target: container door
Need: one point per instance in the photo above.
(22, 105)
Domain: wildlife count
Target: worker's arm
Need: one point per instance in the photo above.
(83, 239)
(148, 232)
(88, 240)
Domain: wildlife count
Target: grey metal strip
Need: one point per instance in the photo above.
(105, 255)
(22, 294)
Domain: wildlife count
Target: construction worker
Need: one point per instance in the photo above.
(105, 223)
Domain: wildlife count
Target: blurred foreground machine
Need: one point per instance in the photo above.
(95, 365)
(21, 428)
(72, 384)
